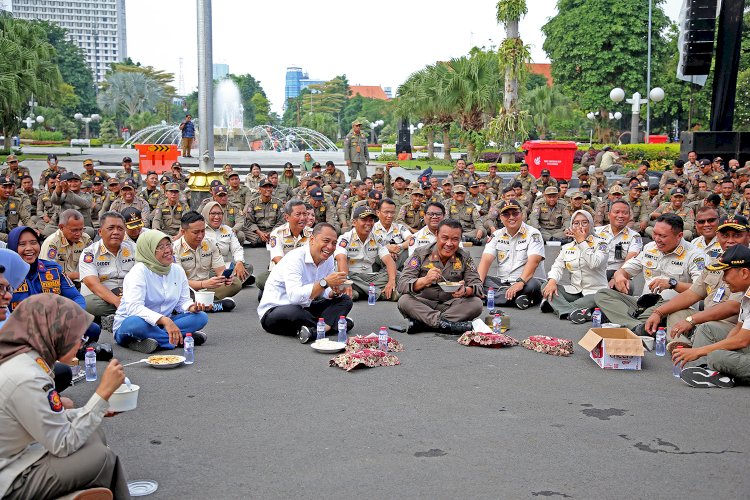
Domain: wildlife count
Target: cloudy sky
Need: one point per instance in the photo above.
(373, 43)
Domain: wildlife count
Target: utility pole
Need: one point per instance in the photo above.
(205, 87)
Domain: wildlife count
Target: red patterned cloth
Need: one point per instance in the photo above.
(359, 343)
(487, 339)
(367, 358)
(549, 345)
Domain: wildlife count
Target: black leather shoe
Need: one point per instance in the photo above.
(349, 324)
(415, 326)
(455, 327)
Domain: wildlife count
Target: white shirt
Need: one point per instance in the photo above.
(360, 254)
(424, 237)
(150, 296)
(229, 246)
(628, 239)
(587, 264)
(397, 232)
(97, 260)
(512, 252)
(685, 264)
(291, 280)
(712, 249)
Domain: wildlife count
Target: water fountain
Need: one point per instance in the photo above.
(230, 133)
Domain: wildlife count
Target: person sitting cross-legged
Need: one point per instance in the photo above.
(153, 289)
(424, 304)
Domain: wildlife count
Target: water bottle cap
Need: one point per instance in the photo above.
(597, 309)
(372, 284)
(188, 334)
(497, 315)
(492, 289)
(89, 349)
(342, 317)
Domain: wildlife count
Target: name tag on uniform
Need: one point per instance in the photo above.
(719, 294)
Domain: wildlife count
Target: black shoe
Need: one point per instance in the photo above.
(250, 281)
(225, 305)
(304, 335)
(415, 326)
(146, 346)
(523, 302)
(103, 351)
(199, 337)
(455, 327)
(545, 306)
(695, 376)
(349, 324)
(260, 294)
(580, 316)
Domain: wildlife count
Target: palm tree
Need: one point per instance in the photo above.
(27, 69)
(544, 104)
(131, 93)
(471, 90)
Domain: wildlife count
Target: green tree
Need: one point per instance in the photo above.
(597, 45)
(108, 131)
(321, 122)
(73, 69)
(27, 67)
(543, 105)
(262, 108)
(130, 93)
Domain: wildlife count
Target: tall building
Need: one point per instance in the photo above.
(296, 81)
(220, 71)
(96, 26)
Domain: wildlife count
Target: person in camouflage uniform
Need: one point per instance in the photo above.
(730, 199)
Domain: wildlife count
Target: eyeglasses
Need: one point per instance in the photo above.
(433, 215)
(215, 214)
(580, 223)
(706, 221)
(510, 213)
(6, 289)
(163, 246)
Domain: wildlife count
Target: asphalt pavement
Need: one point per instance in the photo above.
(262, 416)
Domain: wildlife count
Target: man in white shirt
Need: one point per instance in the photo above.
(304, 287)
(519, 249)
(392, 235)
(707, 226)
(623, 243)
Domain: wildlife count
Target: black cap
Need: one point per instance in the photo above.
(51, 156)
(545, 172)
(97, 180)
(215, 183)
(735, 256)
(508, 205)
(376, 195)
(265, 182)
(736, 222)
(128, 183)
(164, 179)
(473, 184)
(6, 181)
(133, 218)
(221, 188)
(363, 211)
(678, 191)
(330, 163)
(705, 162)
(317, 194)
(127, 159)
(69, 176)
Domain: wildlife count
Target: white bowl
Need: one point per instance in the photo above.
(124, 399)
(204, 297)
(444, 286)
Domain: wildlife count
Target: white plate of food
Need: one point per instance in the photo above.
(449, 286)
(165, 361)
(328, 346)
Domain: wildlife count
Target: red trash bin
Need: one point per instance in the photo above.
(555, 156)
(657, 139)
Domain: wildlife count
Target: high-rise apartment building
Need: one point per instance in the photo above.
(296, 81)
(96, 26)
(220, 71)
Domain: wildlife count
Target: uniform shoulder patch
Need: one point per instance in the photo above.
(55, 403)
(413, 262)
(536, 237)
(52, 252)
(272, 241)
(343, 243)
(602, 246)
(88, 258)
(700, 263)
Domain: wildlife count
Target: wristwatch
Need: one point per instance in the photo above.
(672, 283)
(520, 280)
(323, 283)
(689, 319)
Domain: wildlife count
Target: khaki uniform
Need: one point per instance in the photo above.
(110, 269)
(599, 185)
(549, 221)
(480, 201)
(541, 184)
(46, 172)
(685, 263)
(97, 202)
(586, 263)
(153, 198)
(181, 182)
(45, 207)
(360, 256)
(619, 245)
(412, 217)
(457, 177)
(327, 213)
(283, 192)
(13, 213)
(122, 175)
(345, 208)
(685, 213)
(526, 182)
(743, 209)
(640, 210)
(120, 204)
(15, 175)
(495, 183)
(731, 204)
(239, 197)
(337, 176)
(52, 451)
(78, 201)
(58, 249)
(167, 218)
(712, 248)
(263, 216)
(107, 200)
(356, 152)
(199, 264)
(569, 211)
(431, 304)
(32, 197)
(85, 176)
(253, 183)
(467, 215)
(670, 174)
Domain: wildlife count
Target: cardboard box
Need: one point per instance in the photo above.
(614, 348)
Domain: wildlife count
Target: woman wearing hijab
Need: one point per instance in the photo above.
(46, 449)
(288, 176)
(151, 291)
(307, 164)
(229, 246)
(12, 273)
(585, 259)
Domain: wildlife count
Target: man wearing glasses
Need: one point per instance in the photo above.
(707, 225)
(519, 250)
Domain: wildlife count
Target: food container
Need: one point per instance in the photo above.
(124, 398)
(204, 297)
(648, 342)
(448, 286)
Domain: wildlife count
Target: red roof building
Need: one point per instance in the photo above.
(544, 70)
(369, 91)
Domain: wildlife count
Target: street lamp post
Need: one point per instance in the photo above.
(592, 116)
(618, 95)
(86, 120)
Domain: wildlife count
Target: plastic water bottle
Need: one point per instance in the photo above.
(596, 318)
(661, 342)
(90, 361)
(497, 324)
(383, 339)
(321, 329)
(188, 348)
(342, 329)
(371, 295)
(491, 300)
(676, 369)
